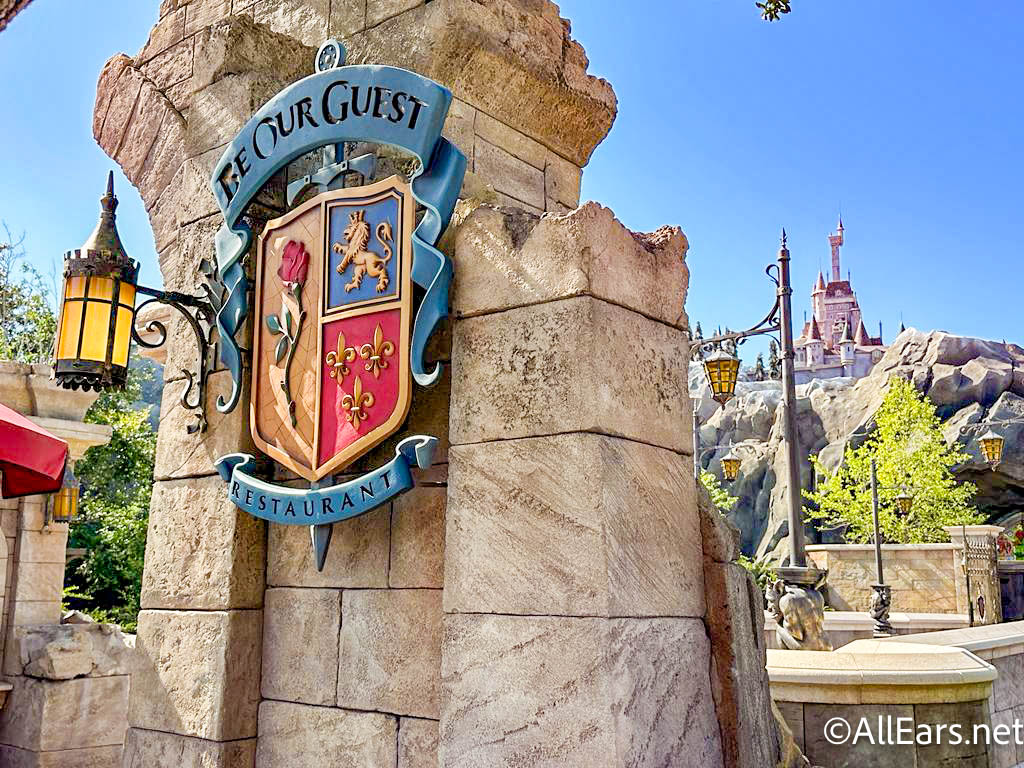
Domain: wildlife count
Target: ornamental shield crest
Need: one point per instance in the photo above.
(331, 375)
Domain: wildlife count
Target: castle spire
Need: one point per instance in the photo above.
(836, 241)
(861, 336)
(819, 285)
(815, 333)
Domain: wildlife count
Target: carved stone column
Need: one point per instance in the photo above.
(574, 586)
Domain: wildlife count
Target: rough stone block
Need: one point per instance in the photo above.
(88, 757)
(381, 10)
(168, 31)
(739, 680)
(124, 83)
(66, 651)
(202, 552)
(358, 557)
(197, 673)
(508, 174)
(581, 365)
(562, 181)
(506, 59)
(305, 20)
(182, 455)
(299, 736)
(505, 260)
(300, 645)
(390, 656)
(347, 17)
(68, 714)
(510, 140)
(580, 692)
(820, 752)
(203, 13)
(170, 67)
(417, 539)
(144, 748)
(45, 546)
(579, 524)
(720, 537)
(968, 714)
(39, 582)
(417, 743)
(459, 127)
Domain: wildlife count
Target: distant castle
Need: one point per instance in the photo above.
(835, 342)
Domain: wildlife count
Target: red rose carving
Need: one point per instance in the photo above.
(294, 263)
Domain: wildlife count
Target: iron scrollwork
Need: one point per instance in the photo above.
(731, 340)
(201, 314)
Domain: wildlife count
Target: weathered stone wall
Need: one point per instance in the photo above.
(541, 598)
(922, 576)
(223, 603)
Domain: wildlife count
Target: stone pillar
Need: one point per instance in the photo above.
(574, 586)
(49, 719)
(982, 558)
(165, 116)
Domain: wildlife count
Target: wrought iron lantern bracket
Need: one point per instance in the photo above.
(729, 342)
(201, 314)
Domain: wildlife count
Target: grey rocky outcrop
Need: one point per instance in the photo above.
(971, 381)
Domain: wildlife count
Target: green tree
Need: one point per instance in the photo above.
(27, 322)
(117, 482)
(774, 361)
(772, 10)
(719, 496)
(909, 451)
(760, 372)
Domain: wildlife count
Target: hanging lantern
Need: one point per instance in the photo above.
(904, 501)
(730, 466)
(63, 505)
(721, 370)
(97, 307)
(992, 447)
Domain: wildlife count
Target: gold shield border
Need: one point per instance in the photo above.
(404, 302)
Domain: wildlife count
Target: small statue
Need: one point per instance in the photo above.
(878, 609)
(799, 611)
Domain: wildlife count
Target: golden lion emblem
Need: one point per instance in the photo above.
(365, 262)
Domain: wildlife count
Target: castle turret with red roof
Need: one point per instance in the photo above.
(835, 342)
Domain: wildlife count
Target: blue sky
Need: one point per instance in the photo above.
(907, 115)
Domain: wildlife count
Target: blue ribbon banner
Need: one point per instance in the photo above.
(322, 506)
(379, 104)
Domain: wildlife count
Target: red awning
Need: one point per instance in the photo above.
(31, 459)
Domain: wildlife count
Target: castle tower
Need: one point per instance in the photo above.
(836, 242)
(818, 296)
(847, 347)
(814, 344)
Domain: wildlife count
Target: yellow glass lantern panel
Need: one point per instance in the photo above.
(722, 371)
(96, 331)
(70, 326)
(992, 447)
(731, 467)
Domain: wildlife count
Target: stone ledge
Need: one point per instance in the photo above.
(879, 672)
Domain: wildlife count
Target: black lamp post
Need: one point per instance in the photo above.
(794, 598)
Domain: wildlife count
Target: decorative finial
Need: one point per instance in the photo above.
(783, 237)
(105, 239)
(840, 222)
(109, 200)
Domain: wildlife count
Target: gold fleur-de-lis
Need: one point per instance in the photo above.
(376, 352)
(356, 404)
(338, 360)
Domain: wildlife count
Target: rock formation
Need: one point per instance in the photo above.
(971, 381)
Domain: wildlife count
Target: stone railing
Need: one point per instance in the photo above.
(888, 688)
(925, 578)
(1002, 646)
(843, 627)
